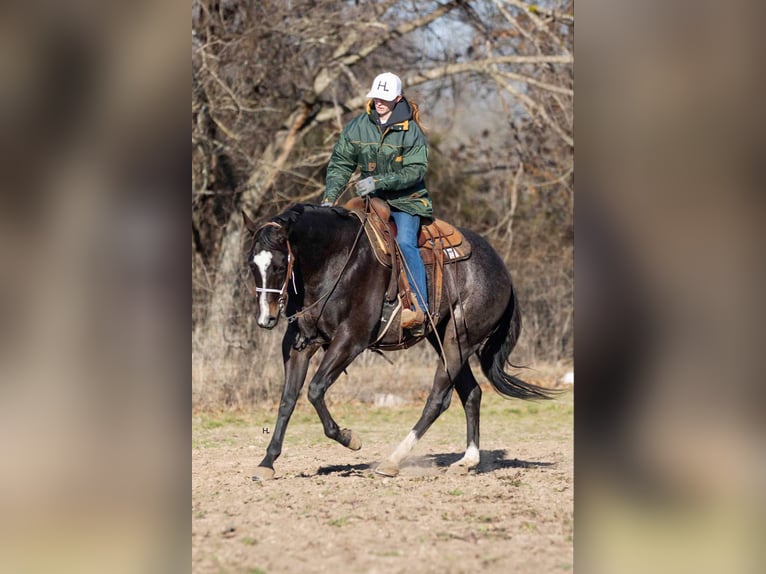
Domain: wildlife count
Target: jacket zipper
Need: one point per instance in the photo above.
(380, 145)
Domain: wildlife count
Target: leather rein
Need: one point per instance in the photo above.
(283, 295)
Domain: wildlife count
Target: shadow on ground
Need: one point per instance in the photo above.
(347, 469)
(491, 460)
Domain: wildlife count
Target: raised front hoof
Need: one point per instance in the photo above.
(387, 469)
(263, 473)
(351, 439)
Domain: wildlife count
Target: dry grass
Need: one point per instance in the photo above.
(247, 378)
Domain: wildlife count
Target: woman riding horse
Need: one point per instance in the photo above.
(388, 145)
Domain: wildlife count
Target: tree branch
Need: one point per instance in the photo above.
(479, 66)
(341, 55)
(535, 106)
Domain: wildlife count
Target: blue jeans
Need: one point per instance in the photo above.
(408, 227)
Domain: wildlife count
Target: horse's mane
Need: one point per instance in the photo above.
(292, 215)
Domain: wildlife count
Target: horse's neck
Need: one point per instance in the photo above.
(321, 242)
(308, 239)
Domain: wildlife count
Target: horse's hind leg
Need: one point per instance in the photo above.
(469, 392)
(438, 402)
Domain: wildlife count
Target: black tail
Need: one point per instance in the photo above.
(495, 352)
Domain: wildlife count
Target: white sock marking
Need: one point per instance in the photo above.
(471, 457)
(404, 448)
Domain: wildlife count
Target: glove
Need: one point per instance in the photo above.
(365, 187)
(326, 203)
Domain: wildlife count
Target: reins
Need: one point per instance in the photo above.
(323, 298)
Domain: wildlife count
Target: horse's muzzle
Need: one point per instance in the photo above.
(269, 322)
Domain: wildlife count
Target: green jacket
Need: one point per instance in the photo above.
(396, 157)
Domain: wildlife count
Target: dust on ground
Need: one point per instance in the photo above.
(326, 510)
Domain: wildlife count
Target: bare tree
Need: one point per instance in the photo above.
(274, 81)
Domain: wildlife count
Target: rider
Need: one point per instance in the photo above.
(388, 145)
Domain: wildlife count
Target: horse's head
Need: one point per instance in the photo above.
(270, 262)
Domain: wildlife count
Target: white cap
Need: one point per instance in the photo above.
(386, 87)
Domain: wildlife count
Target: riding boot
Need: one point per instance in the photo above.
(414, 321)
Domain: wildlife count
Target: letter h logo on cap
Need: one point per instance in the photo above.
(386, 86)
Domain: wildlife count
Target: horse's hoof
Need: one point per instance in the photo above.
(387, 469)
(354, 441)
(263, 473)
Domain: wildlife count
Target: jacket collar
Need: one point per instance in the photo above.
(400, 115)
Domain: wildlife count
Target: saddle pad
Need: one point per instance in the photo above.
(376, 238)
(451, 254)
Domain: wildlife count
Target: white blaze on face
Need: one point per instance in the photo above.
(262, 260)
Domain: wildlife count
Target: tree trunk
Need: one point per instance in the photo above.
(210, 342)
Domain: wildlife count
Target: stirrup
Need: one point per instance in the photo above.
(418, 330)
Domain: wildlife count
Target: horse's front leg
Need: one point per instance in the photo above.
(296, 365)
(339, 355)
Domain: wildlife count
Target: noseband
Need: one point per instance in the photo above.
(290, 260)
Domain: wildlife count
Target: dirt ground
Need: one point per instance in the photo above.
(326, 511)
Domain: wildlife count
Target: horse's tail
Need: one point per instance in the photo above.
(493, 356)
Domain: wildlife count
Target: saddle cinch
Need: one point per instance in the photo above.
(440, 244)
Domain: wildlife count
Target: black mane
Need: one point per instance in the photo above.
(271, 236)
(290, 215)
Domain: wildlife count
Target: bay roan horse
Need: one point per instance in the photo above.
(314, 264)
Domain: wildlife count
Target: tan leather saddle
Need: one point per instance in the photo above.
(440, 244)
(381, 230)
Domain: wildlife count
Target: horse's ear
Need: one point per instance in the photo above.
(249, 223)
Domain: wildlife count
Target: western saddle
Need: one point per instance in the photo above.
(440, 244)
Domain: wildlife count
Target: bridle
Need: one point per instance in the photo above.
(288, 275)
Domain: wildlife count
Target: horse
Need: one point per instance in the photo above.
(315, 266)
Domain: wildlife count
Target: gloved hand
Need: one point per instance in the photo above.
(365, 186)
(326, 203)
